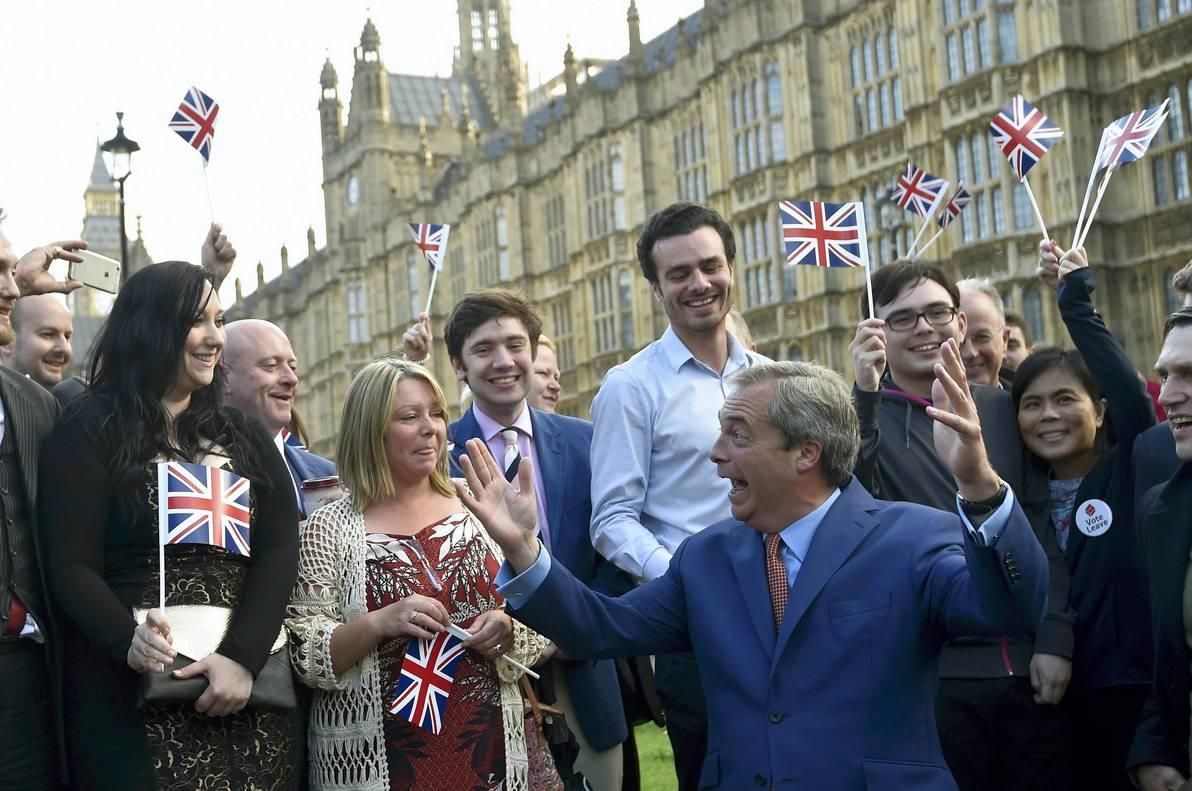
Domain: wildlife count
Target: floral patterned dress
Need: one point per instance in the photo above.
(449, 561)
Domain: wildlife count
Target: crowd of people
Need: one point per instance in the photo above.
(967, 567)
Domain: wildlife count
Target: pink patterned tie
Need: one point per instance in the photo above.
(776, 577)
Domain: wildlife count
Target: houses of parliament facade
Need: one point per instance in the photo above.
(739, 105)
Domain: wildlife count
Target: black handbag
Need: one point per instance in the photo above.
(197, 631)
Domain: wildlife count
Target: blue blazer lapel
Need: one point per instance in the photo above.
(844, 527)
(459, 433)
(548, 444)
(750, 567)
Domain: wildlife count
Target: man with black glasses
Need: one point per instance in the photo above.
(999, 720)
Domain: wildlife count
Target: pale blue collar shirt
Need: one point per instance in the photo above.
(796, 538)
(655, 420)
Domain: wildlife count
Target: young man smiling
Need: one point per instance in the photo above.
(492, 337)
(1000, 723)
(655, 420)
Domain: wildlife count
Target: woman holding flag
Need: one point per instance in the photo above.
(389, 579)
(231, 547)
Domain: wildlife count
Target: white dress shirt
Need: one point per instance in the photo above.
(655, 420)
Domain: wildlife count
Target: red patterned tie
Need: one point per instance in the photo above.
(776, 577)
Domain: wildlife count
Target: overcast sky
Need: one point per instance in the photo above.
(68, 65)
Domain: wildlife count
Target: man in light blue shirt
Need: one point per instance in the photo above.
(654, 421)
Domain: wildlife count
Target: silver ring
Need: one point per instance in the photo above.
(414, 616)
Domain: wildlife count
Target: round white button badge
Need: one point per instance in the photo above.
(1093, 518)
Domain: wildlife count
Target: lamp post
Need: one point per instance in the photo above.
(121, 148)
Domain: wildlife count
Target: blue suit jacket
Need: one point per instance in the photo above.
(563, 445)
(842, 697)
(304, 466)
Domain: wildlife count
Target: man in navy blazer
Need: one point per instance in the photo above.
(491, 339)
(261, 379)
(818, 644)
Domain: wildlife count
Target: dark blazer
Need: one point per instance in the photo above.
(1154, 461)
(842, 696)
(563, 445)
(1166, 533)
(1109, 589)
(304, 466)
(30, 412)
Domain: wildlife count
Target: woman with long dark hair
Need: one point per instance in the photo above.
(156, 396)
(1079, 412)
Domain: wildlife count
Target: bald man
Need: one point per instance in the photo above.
(43, 328)
(261, 380)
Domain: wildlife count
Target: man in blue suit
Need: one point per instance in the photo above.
(818, 640)
(491, 338)
(261, 380)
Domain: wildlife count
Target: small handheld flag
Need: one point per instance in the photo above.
(951, 210)
(431, 239)
(918, 191)
(424, 685)
(1024, 134)
(194, 121)
(826, 235)
(960, 198)
(199, 504)
(1127, 138)
(1124, 141)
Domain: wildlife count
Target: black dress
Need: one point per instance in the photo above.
(100, 564)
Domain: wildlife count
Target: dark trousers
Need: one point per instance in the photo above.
(677, 680)
(995, 737)
(28, 761)
(1103, 723)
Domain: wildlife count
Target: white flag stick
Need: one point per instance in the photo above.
(430, 294)
(1035, 205)
(163, 528)
(859, 208)
(1088, 190)
(207, 184)
(1084, 232)
(464, 635)
(926, 222)
(931, 241)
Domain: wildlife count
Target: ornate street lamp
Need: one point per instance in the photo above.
(121, 148)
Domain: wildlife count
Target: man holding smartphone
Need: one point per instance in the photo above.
(29, 757)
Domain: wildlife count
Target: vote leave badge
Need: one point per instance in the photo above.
(1093, 517)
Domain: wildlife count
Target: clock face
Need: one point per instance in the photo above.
(353, 190)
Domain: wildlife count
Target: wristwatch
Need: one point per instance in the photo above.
(981, 508)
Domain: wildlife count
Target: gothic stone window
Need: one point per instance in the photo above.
(875, 80)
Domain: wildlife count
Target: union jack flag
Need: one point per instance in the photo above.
(960, 199)
(291, 439)
(432, 241)
(204, 505)
(918, 191)
(1127, 138)
(1023, 134)
(427, 673)
(194, 121)
(824, 234)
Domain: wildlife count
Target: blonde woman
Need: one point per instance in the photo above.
(401, 557)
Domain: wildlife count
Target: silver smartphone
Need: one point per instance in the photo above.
(97, 271)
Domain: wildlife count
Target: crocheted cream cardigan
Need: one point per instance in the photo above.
(345, 739)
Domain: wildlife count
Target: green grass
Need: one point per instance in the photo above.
(657, 764)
